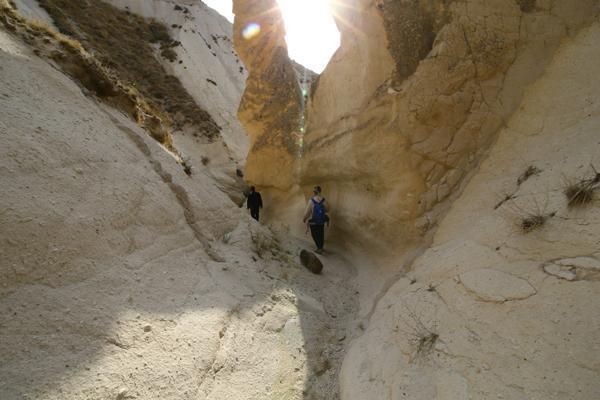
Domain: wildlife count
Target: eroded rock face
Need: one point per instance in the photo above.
(489, 311)
(411, 27)
(205, 62)
(410, 139)
(270, 109)
(411, 102)
(397, 143)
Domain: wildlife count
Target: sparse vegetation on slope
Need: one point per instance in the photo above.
(127, 44)
(85, 68)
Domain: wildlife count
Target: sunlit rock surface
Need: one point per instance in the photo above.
(409, 104)
(423, 127)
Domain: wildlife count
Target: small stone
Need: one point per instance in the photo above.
(147, 328)
(311, 262)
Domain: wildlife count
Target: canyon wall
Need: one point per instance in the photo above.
(497, 308)
(464, 123)
(270, 109)
(121, 276)
(187, 66)
(408, 106)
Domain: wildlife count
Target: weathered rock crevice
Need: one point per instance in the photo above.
(412, 27)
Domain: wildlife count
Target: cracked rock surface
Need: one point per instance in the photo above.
(504, 324)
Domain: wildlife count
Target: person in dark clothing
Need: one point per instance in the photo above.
(254, 202)
(316, 215)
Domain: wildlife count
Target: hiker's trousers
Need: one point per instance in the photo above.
(254, 213)
(317, 231)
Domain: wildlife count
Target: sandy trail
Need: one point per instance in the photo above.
(336, 294)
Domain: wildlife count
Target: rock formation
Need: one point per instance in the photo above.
(206, 62)
(419, 94)
(490, 311)
(270, 108)
(123, 277)
(411, 102)
(457, 142)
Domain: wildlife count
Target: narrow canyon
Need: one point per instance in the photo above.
(457, 143)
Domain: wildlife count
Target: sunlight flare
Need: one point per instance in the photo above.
(311, 33)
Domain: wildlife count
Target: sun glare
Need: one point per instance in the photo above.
(311, 34)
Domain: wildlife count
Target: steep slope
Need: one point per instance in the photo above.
(494, 308)
(206, 61)
(122, 277)
(155, 47)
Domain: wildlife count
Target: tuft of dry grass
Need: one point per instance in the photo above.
(422, 336)
(263, 245)
(579, 194)
(169, 54)
(126, 44)
(583, 191)
(531, 214)
(532, 222)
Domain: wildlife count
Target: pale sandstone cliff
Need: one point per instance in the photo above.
(203, 60)
(124, 278)
(207, 63)
(418, 95)
(489, 311)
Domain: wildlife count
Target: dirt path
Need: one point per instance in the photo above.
(336, 294)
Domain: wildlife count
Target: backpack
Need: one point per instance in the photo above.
(319, 217)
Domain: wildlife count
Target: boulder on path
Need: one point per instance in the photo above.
(311, 261)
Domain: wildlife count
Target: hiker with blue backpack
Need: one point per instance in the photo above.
(316, 216)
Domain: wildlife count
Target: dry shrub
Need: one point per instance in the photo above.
(579, 194)
(532, 215)
(532, 222)
(187, 166)
(169, 54)
(262, 244)
(583, 191)
(422, 336)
